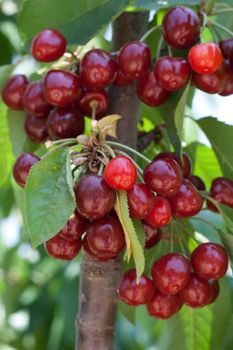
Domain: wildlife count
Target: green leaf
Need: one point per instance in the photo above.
(49, 196)
(180, 111)
(227, 241)
(5, 72)
(6, 54)
(157, 4)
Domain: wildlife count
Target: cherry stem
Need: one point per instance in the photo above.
(79, 173)
(101, 168)
(171, 238)
(159, 47)
(64, 144)
(71, 140)
(222, 11)
(140, 171)
(129, 149)
(110, 150)
(149, 32)
(93, 105)
(103, 155)
(181, 245)
(226, 30)
(169, 51)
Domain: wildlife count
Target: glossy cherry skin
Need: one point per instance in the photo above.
(34, 101)
(140, 201)
(61, 88)
(197, 182)
(163, 306)
(205, 58)
(87, 250)
(135, 294)
(75, 227)
(215, 288)
(187, 201)
(210, 261)
(171, 273)
(211, 83)
(66, 122)
(181, 27)
(163, 176)
(48, 45)
(89, 97)
(120, 173)
(222, 191)
(36, 128)
(97, 69)
(149, 91)
(13, 91)
(153, 235)
(197, 292)
(94, 197)
(228, 85)
(185, 163)
(22, 167)
(160, 214)
(63, 248)
(122, 79)
(105, 238)
(172, 73)
(134, 59)
(226, 47)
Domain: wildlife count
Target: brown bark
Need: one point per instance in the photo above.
(98, 280)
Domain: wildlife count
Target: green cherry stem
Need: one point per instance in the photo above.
(101, 169)
(64, 144)
(112, 143)
(159, 47)
(70, 140)
(149, 32)
(224, 29)
(110, 150)
(229, 9)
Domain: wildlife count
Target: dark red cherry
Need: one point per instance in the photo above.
(149, 90)
(211, 83)
(75, 227)
(185, 163)
(210, 261)
(197, 182)
(163, 306)
(171, 273)
(226, 47)
(160, 214)
(172, 73)
(187, 201)
(87, 250)
(48, 45)
(13, 91)
(197, 292)
(100, 98)
(134, 59)
(34, 101)
(163, 176)
(215, 288)
(36, 128)
(122, 79)
(94, 197)
(105, 238)
(222, 191)
(181, 27)
(61, 88)
(228, 86)
(63, 248)
(140, 201)
(64, 123)
(22, 167)
(135, 294)
(97, 69)
(153, 235)
(205, 58)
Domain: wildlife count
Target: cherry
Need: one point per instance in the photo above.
(75, 227)
(185, 163)
(135, 294)
(94, 197)
(187, 201)
(210, 261)
(105, 238)
(163, 176)
(89, 97)
(63, 248)
(122, 79)
(228, 86)
(222, 191)
(205, 58)
(197, 182)
(61, 88)
(172, 73)
(36, 128)
(197, 292)
(226, 47)
(22, 167)
(34, 101)
(13, 91)
(163, 306)
(161, 213)
(171, 273)
(89, 252)
(97, 69)
(211, 83)
(149, 91)
(215, 288)
(48, 45)
(153, 235)
(66, 122)
(134, 59)
(140, 201)
(120, 173)
(181, 27)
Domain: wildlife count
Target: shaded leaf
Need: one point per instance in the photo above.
(157, 4)
(180, 111)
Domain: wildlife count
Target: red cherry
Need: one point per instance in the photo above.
(122, 79)
(163, 176)
(161, 213)
(63, 248)
(185, 163)
(226, 47)
(172, 73)
(140, 201)
(171, 273)
(22, 167)
(215, 288)
(153, 235)
(187, 201)
(94, 197)
(13, 91)
(105, 238)
(34, 101)
(64, 123)
(181, 27)
(61, 88)
(120, 173)
(222, 191)
(211, 83)
(205, 58)
(163, 306)
(134, 59)
(99, 97)
(210, 261)
(89, 252)
(36, 128)
(135, 294)
(197, 182)
(197, 292)
(75, 227)
(149, 91)
(228, 86)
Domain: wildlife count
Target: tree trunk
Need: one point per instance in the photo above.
(99, 280)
